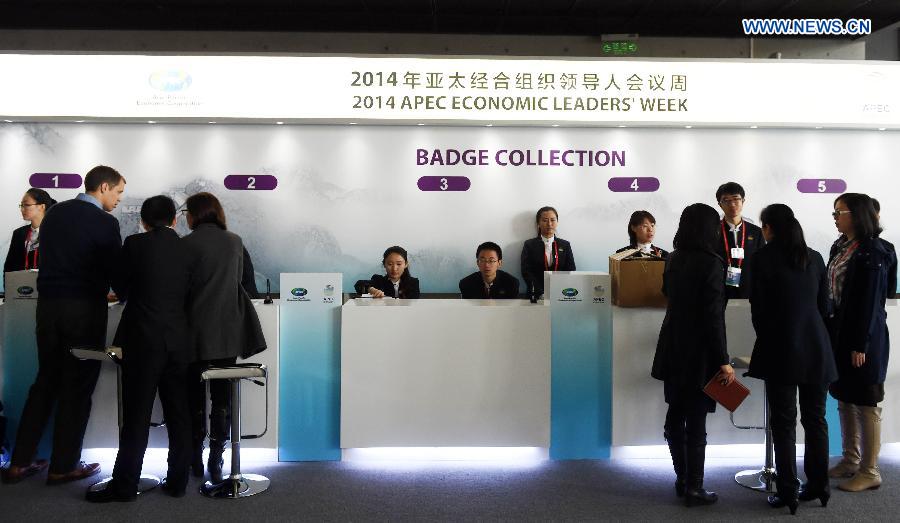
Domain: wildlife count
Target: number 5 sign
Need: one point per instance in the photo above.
(822, 186)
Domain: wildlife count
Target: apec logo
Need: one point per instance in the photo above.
(570, 292)
(170, 81)
(299, 292)
(25, 290)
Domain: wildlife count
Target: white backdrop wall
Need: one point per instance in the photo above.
(345, 193)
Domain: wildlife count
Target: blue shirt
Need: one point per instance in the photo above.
(90, 199)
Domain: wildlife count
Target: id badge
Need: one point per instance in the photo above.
(733, 277)
(737, 253)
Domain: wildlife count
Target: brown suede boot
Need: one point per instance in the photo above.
(849, 464)
(868, 477)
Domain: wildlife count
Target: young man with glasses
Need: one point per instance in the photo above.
(489, 282)
(740, 240)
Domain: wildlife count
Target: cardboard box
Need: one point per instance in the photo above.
(636, 282)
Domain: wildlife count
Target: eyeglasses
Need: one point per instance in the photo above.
(731, 201)
(836, 214)
(23, 205)
(487, 261)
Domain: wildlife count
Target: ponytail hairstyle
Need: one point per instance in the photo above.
(41, 197)
(787, 234)
(396, 249)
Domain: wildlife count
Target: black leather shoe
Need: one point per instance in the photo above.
(808, 495)
(107, 495)
(679, 487)
(171, 490)
(699, 496)
(778, 502)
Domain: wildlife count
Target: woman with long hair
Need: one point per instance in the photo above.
(397, 281)
(860, 271)
(24, 247)
(692, 346)
(792, 353)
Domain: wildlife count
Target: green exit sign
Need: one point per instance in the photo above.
(620, 47)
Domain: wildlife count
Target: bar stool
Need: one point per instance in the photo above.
(114, 354)
(757, 479)
(237, 485)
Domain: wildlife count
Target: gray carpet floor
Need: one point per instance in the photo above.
(634, 489)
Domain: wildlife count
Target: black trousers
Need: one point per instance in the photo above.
(783, 420)
(143, 373)
(220, 404)
(685, 431)
(62, 380)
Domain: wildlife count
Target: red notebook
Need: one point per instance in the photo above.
(729, 396)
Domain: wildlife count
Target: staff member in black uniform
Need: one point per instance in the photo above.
(153, 336)
(24, 248)
(489, 282)
(80, 248)
(692, 345)
(397, 282)
(740, 239)
(641, 230)
(789, 304)
(545, 252)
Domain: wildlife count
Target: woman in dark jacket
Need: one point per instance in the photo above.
(789, 304)
(545, 252)
(692, 348)
(860, 268)
(397, 281)
(25, 244)
(641, 230)
(222, 322)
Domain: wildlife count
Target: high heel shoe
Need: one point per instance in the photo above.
(807, 495)
(776, 501)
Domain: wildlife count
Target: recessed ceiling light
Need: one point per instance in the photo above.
(420, 124)
(212, 122)
(79, 121)
(818, 127)
(8, 121)
(489, 125)
(279, 123)
(754, 126)
(623, 126)
(882, 128)
(352, 123)
(688, 126)
(151, 121)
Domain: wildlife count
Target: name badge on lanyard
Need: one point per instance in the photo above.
(733, 276)
(737, 253)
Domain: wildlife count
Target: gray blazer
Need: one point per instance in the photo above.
(222, 322)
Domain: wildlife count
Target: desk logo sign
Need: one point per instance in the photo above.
(569, 294)
(328, 291)
(25, 292)
(599, 294)
(298, 294)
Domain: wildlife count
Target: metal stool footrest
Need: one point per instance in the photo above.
(759, 479)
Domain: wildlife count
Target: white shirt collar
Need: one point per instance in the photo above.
(548, 240)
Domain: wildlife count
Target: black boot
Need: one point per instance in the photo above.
(215, 461)
(677, 450)
(695, 494)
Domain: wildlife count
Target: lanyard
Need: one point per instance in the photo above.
(34, 261)
(725, 240)
(555, 258)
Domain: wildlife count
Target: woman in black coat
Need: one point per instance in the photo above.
(222, 323)
(24, 247)
(860, 271)
(545, 252)
(397, 281)
(692, 347)
(789, 304)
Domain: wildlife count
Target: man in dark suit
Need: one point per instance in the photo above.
(80, 248)
(153, 337)
(740, 239)
(489, 282)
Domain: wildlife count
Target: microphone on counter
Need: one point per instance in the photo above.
(532, 295)
(268, 300)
